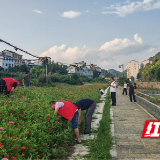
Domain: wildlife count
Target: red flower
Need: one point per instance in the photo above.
(31, 106)
(49, 124)
(29, 146)
(7, 156)
(46, 144)
(12, 109)
(13, 157)
(7, 121)
(8, 113)
(27, 132)
(49, 128)
(13, 137)
(57, 118)
(23, 154)
(18, 122)
(27, 109)
(38, 156)
(41, 101)
(23, 147)
(14, 148)
(5, 136)
(19, 126)
(35, 149)
(56, 121)
(18, 139)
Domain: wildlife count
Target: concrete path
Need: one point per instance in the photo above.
(81, 149)
(129, 119)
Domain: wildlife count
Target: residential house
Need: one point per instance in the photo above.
(143, 63)
(17, 57)
(132, 69)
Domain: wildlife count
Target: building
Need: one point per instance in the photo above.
(132, 69)
(30, 63)
(6, 61)
(41, 60)
(81, 69)
(17, 57)
(143, 63)
(95, 67)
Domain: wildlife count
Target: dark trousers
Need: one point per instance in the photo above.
(3, 88)
(113, 97)
(125, 90)
(88, 117)
(131, 94)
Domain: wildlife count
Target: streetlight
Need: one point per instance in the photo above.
(122, 70)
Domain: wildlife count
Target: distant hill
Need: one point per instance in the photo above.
(155, 57)
(117, 73)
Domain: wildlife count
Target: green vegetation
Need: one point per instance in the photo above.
(100, 146)
(116, 73)
(151, 72)
(28, 127)
(155, 58)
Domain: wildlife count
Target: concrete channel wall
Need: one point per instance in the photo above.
(150, 107)
(151, 85)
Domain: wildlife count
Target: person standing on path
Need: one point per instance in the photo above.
(113, 91)
(131, 92)
(69, 111)
(125, 88)
(89, 105)
(8, 84)
(26, 81)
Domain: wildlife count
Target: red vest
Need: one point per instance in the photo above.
(9, 83)
(68, 110)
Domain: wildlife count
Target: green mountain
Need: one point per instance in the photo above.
(116, 73)
(156, 57)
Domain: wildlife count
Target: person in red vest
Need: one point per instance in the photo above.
(9, 84)
(70, 112)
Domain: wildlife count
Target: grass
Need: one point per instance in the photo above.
(101, 145)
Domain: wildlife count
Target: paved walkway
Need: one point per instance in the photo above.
(129, 120)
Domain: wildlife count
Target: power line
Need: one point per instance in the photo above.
(16, 48)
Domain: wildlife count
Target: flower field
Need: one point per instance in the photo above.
(28, 127)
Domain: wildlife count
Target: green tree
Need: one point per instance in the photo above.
(95, 74)
(34, 71)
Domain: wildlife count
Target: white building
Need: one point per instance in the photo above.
(81, 69)
(143, 63)
(132, 69)
(17, 57)
(6, 61)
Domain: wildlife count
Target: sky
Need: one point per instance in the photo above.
(102, 32)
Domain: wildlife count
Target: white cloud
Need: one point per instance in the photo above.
(138, 39)
(71, 14)
(37, 11)
(109, 55)
(151, 50)
(87, 11)
(131, 7)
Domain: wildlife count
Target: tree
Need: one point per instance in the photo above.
(23, 68)
(132, 78)
(95, 74)
(34, 71)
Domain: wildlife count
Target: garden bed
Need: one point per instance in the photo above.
(28, 129)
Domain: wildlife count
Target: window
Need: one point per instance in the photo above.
(6, 64)
(12, 65)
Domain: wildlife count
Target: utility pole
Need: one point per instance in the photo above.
(46, 62)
